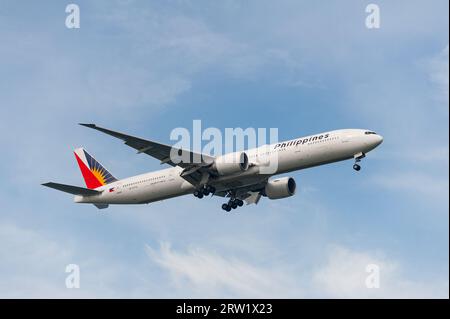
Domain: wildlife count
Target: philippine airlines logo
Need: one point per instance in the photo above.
(95, 175)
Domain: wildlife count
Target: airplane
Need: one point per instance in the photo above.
(224, 176)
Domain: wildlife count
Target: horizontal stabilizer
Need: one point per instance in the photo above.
(75, 190)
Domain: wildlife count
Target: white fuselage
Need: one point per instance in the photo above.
(300, 153)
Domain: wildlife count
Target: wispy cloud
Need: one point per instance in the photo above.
(208, 274)
(31, 264)
(345, 274)
(417, 184)
(145, 68)
(439, 75)
(204, 273)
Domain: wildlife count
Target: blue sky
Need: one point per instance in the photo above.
(303, 67)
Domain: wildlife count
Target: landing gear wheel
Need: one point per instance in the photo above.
(226, 207)
(239, 202)
(234, 205)
(196, 194)
(200, 195)
(206, 190)
(358, 157)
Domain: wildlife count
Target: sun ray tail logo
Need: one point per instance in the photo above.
(94, 174)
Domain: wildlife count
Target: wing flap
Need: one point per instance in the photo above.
(253, 198)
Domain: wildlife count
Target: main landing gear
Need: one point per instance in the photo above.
(358, 157)
(204, 191)
(233, 203)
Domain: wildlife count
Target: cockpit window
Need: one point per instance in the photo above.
(369, 132)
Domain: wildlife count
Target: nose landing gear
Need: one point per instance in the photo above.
(358, 157)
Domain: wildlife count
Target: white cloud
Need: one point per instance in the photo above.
(142, 59)
(33, 265)
(426, 154)
(202, 273)
(439, 75)
(344, 276)
(186, 45)
(420, 185)
(208, 274)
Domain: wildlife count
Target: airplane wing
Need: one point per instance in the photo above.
(193, 168)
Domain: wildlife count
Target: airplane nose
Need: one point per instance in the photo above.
(379, 139)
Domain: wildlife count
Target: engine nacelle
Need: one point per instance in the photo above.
(231, 163)
(280, 188)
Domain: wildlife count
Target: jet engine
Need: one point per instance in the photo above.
(280, 188)
(231, 163)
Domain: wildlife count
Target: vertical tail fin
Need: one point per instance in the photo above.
(94, 174)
